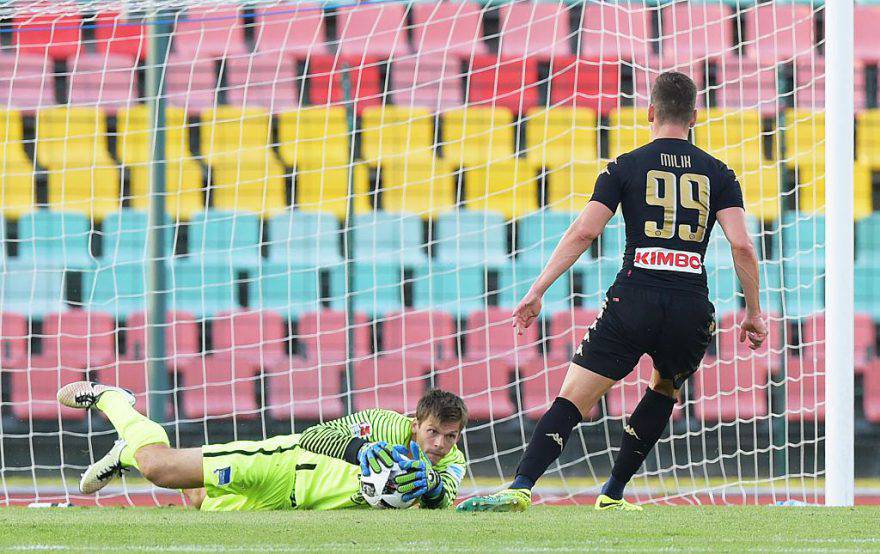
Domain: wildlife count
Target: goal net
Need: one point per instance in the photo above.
(288, 212)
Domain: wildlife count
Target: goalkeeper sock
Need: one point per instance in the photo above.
(136, 429)
(547, 442)
(646, 425)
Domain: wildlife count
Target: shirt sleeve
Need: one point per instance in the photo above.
(452, 469)
(730, 195)
(609, 184)
(342, 438)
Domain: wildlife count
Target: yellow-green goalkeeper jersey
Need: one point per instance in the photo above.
(343, 437)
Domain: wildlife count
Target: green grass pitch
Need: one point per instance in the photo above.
(542, 529)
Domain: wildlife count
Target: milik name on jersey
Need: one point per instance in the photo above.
(675, 160)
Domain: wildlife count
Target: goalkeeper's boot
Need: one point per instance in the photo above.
(104, 471)
(508, 500)
(605, 502)
(85, 394)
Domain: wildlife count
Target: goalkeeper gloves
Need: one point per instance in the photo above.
(420, 478)
(374, 456)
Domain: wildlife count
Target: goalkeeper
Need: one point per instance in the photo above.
(319, 469)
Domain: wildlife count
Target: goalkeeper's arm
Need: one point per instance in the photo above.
(444, 496)
(344, 438)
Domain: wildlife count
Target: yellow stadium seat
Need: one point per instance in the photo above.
(233, 131)
(811, 189)
(557, 136)
(760, 188)
(420, 185)
(629, 129)
(733, 136)
(804, 138)
(92, 191)
(16, 188)
(868, 137)
(570, 186)
(474, 136)
(13, 140)
(249, 184)
(133, 126)
(183, 188)
(509, 187)
(394, 131)
(73, 138)
(323, 189)
(315, 134)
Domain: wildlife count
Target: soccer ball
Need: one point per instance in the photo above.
(379, 490)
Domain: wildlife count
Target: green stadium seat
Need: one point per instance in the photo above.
(116, 288)
(867, 288)
(514, 281)
(770, 276)
(539, 233)
(124, 237)
(388, 238)
(305, 238)
(377, 287)
(613, 239)
(32, 291)
(54, 239)
(203, 288)
(469, 238)
(723, 287)
(596, 278)
(446, 287)
(219, 237)
(292, 290)
(868, 239)
(803, 235)
(803, 264)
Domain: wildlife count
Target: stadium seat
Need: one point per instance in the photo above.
(425, 186)
(868, 238)
(266, 79)
(778, 32)
(490, 334)
(220, 387)
(292, 289)
(323, 336)
(33, 393)
(804, 389)
(864, 338)
(731, 135)
(628, 129)
(249, 184)
(426, 80)
(54, 35)
(866, 42)
(615, 31)
(570, 186)
(230, 131)
(803, 264)
(804, 138)
(483, 384)
(26, 82)
(811, 191)
(477, 135)
(515, 280)
(318, 134)
(385, 237)
(723, 288)
(14, 340)
(761, 189)
(116, 287)
(251, 336)
(809, 85)
(306, 390)
(867, 287)
(508, 187)
(124, 236)
(31, 290)
(730, 391)
(222, 237)
(327, 76)
(209, 32)
(471, 238)
(731, 352)
(561, 135)
(134, 376)
(378, 30)
(451, 288)
(133, 125)
(868, 137)
(377, 287)
(394, 132)
(181, 338)
(323, 188)
(538, 234)
(613, 239)
(428, 335)
(447, 29)
(16, 169)
(190, 83)
(534, 30)
(183, 188)
(202, 287)
(311, 239)
(693, 32)
(54, 239)
(871, 392)
(390, 382)
(507, 83)
(542, 380)
(748, 84)
(76, 339)
(120, 34)
(625, 395)
(295, 29)
(105, 80)
(591, 83)
(567, 330)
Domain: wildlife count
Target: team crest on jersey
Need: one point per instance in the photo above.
(361, 429)
(224, 476)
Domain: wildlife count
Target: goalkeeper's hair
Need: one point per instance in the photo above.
(443, 405)
(674, 97)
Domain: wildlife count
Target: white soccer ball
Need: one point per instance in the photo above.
(379, 490)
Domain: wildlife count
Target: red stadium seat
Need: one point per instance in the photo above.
(296, 29)
(534, 30)
(491, 334)
(778, 32)
(108, 81)
(251, 336)
(219, 386)
(325, 75)
(729, 348)
(26, 82)
(585, 83)
(625, 395)
(34, 389)
(428, 81)
(693, 32)
(871, 391)
(747, 84)
(117, 35)
(267, 80)
(77, 339)
(809, 82)
(391, 382)
(541, 381)
(813, 338)
(133, 376)
(805, 388)
(372, 31)
(181, 338)
(510, 83)
(731, 390)
(14, 333)
(484, 385)
(452, 29)
(190, 83)
(866, 44)
(55, 34)
(567, 329)
(427, 335)
(617, 32)
(214, 32)
(307, 390)
(323, 336)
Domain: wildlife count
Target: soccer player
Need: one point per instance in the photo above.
(671, 194)
(319, 469)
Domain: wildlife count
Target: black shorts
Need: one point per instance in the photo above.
(672, 327)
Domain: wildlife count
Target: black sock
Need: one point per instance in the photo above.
(646, 425)
(547, 441)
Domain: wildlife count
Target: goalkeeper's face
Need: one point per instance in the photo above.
(435, 439)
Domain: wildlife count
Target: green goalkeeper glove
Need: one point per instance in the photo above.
(420, 478)
(373, 456)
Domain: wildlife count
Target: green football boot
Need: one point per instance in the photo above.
(508, 500)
